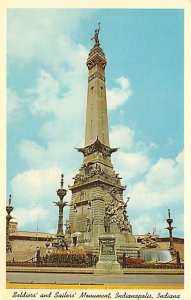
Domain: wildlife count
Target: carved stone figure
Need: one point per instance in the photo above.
(117, 209)
(37, 254)
(149, 241)
(88, 225)
(68, 231)
(62, 244)
(106, 221)
(178, 259)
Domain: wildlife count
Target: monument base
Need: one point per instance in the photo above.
(107, 263)
(108, 267)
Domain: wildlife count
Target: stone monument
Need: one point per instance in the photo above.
(107, 263)
(97, 192)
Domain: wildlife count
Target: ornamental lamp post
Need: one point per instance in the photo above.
(170, 229)
(61, 204)
(9, 209)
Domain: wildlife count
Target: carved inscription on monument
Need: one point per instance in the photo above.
(107, 250)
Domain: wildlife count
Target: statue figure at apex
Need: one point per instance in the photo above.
(96, 36)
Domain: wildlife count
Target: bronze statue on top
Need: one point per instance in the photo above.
(96, 36)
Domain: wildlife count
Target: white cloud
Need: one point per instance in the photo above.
(122, 137)
(164, 174)
(32, 153)
(34, 192)
(58, 98)
(162, 185)
(43, 34)
(131, 164)
(49, 98)
(119, 95)
(154, 221)
(145, 223)
(26, 216)
(59, 131)
(47, 94)
(14, 105)
(58, 153)
(36, 186)
(131, 160)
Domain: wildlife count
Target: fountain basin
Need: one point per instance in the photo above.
(156, 255)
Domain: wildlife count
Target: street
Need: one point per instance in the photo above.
(82, 279)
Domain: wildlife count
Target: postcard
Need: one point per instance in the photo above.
(95, 126)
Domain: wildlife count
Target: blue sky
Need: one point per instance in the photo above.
(46, 101)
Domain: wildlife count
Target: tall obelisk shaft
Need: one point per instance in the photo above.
(96, 112)
(97, 189)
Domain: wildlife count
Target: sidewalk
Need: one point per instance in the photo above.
(91, 270)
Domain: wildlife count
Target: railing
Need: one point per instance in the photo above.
(61, 258)
(132, 262)
(69, 259)
(53, 265)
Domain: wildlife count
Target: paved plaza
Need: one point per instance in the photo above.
(82, 279)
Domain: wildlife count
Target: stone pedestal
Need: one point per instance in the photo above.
(107, 263)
